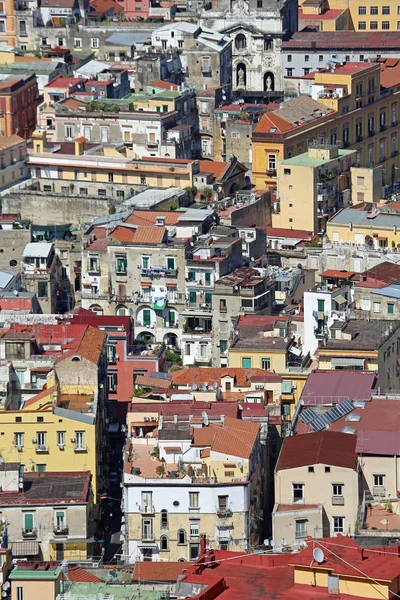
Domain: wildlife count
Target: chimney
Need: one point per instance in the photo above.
(202, 544)
(160, 221)
(80, 146)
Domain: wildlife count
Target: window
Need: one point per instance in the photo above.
(373, 10)
(60, 521)
(143, 180)
(194, 551)
(164, 519)
(112, 381)
(379, 480)
(311, 469)
(18, 440)
(42, 289)
(301, 528)
(337, 489)
(377, 307)
(385, 25)
(306, 58)
(121, 265)
(362, 25)
(321, 305)
(362, 10)
(223, 345)
(206, 67)
(271, 162)
(147, 529)
(266, 364)
(94, 42)
(338, 524)
(170, 263)
(77, 43)
(104, 134)
(110, 177)
(181, 537)
(111, 353)
(28, 522)
(321, 58)
(2, 26)
(327, 469)
(298, 492)
(386, 10)
(398, 24)
(164, 545)
(193, 499)
(246, 363)
(61, 438)
(289, 58)
(20, 593)
(145, 262)
(373, 25)
(259, 3)
(289, 72)
(195, 528)
(68, 131)
(390, 309)
(79, 440)
(14, 350)
(41, 439)
(240, 42)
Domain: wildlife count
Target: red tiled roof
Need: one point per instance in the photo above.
(217, 168)
(157, 571)
(243, 377)
(99, 237)
(327, 387)
(64, 82)
(337, 274)
(235, 438)
(45, 393)
(288, 507)
(390, 77)
(123, 234)
(340, 40)
(150, 217)
(165, 85)
(78, 575)
(272, 121)
(386, 272)
(287, 233)
(323, 447)
(149, 235)
(328, 15)
(102, 6)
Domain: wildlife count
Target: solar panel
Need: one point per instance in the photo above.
(308, 415)
(318, 424)
(344, 407)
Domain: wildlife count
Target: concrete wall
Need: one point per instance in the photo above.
(12, 242)
(258, 213)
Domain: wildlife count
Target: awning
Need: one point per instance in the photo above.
(295, 351)
(173, 449)
(347, 362)
(287, 387)
(291, 243)
(340, 299)
(147, 545)
(145, 285)
(24, 548)
(70, 540)
(160, 304)
(171, 285)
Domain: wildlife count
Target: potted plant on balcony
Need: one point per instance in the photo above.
(160, 470)
(388, 507)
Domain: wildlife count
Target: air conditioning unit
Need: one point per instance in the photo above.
(19, 447)
(72, 440)
(34, 441)
(61, 446)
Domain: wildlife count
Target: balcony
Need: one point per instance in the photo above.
(147, 509)
(371, 133)
(379, 491)
(383, 127)
(158, 272)
(338, 500)
(148, 536)
(94, 270)
(62, 530)
(80, 447)
(223, 512)
(93, 296)
(271, 172)
(41, 448)
(29, 533)
(193, 308)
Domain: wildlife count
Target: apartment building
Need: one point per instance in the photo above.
(18, 103)
(98, 170)
(376, 294)
(44, 520)
(316, 487)
(13, 159)
(312, 186)
(42, 274)
(374, 228)
(348, 104)
(185, 485)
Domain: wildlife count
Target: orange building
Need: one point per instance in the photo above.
(18, 103)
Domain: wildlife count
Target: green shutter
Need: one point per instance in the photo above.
(390, 309)
(59, 515)
(208, 277)
(192, 276)
(208, 298)
(192, 297)
(171, 317)
(321, 305)
(223, 345)
(28, 520)
(246, 363)
(171, 263)
(146, 318)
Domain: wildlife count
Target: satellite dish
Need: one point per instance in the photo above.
(266, 542)
(271, 543)
(21, 480)
(318, 555)
(4, 521)
(205, 418)
(6, 585)
(4, 594)
(240, 465)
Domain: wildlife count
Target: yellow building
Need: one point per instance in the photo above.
(360, 227)
(192, 483)
(362, 16)
(347, 106)
(68, 167)
(312, 186)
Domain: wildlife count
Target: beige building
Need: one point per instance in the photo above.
(44, 521)
(36, 580)
(13, 161)
(316, 487)
(193, 483)
(312, 186)
(42, 274)
(366, 184)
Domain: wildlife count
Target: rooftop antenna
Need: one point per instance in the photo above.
(205, 418)
(318, 556)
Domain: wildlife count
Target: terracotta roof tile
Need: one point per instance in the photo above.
(45, 393)
(157, 571)
(149, 235)
(165, 85)
(235, 438)
(149, 381)
(9, 141)
(217, 168)
(149, 217)
(323, 447)
(203, 436)
(78, 575)
(199, 375)
(92, 344)
(123, 234)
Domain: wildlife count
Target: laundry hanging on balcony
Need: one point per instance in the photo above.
(159, 304)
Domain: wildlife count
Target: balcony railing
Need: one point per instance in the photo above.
(338, 500)
(63, 530)
(41, 448)
(223, 512)
(148, 536)
(147, 509)
(379, 490)
(29, 533)
(158, 272)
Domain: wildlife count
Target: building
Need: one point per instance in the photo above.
(55, 510)
(316, 486)
(364, 346)
(312, 186)
(18, 103)
(31, 578)
(257, 31)
(205, 487)
(199, 46)
(372, 228)
(319, 18)
(13, 158)
(287, 239)
(347, 105)
(377, 292)
(42, 275)
(379, 17)
(330, 387)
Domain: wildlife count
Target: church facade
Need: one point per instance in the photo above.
(257, 28)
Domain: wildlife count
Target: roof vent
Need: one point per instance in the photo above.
(348, 429)
(353, 417)
(359, 404)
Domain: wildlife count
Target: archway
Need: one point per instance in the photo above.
(171, 339)
(234, 187)
(240, 42)
(241, 75)
(122, 311)
(96, 309)
(269, 82)
(147, 336)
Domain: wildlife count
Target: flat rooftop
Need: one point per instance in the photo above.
(304, 160)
